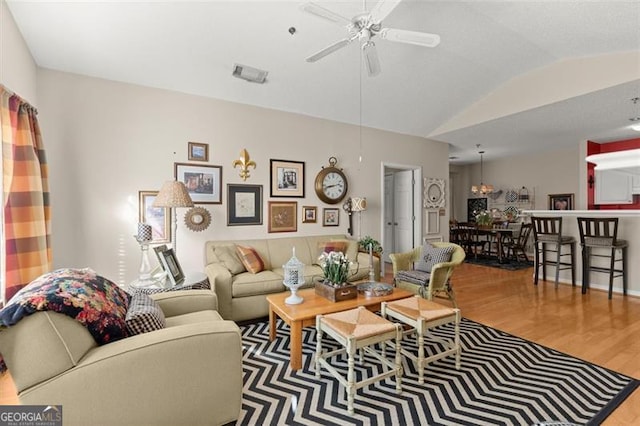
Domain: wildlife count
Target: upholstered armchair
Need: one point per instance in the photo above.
(189, 372)
(436, 280)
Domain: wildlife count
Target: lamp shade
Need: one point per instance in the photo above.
(173, 194)
(358, 204)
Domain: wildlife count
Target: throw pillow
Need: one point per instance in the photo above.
(432, 255)
(229, 258)
(329, 246)
(250, 259)
(144, 315)
(96, 302)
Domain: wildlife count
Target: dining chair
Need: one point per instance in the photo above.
(517, 245)
(548, 238)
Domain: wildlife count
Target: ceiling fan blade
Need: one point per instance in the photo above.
(382, 9)
(371, 58)
(329, 49)
(411, 37)
(327, 14)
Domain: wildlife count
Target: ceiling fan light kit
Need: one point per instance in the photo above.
(365, 26)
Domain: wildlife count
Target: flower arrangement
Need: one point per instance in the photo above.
(484, 218)
(364, 242)
(335, 267)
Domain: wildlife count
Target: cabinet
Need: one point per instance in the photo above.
(635, 184)
(613, 187)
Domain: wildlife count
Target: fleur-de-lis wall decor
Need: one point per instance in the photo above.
(244, 162)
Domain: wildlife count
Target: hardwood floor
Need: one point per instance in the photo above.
(590, 327)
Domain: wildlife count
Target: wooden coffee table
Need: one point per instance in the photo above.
(304, 314)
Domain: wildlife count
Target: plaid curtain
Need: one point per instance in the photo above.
(26, 219)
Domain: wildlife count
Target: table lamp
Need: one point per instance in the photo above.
(173, 194)
(359, 205)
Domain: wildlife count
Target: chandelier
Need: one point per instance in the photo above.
(482, 188)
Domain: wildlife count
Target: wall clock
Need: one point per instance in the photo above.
(331, 183)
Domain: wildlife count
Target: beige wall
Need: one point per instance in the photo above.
(554, 172)
(106, 141)
(17, 68)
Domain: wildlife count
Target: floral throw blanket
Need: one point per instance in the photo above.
(94, 301)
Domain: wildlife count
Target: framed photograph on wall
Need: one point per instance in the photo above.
(283, 216)
(309, 214)
(244, 204)
(198, 151)
(330, 217)
(560, 201)
(158, 218)
(203, 182)
(287, 178)
(172, 266)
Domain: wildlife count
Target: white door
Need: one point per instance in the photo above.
(403, 211)
(388, 237)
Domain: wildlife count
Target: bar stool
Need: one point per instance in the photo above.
(602, 233)
(358, 329)
(548, 231)
(422, 315)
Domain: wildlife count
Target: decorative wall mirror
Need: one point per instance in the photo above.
(197, 219)
(434, 195)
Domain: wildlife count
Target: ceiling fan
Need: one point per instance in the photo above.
(365, 26)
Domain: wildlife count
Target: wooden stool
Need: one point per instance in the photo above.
(602, 234)
(357, 329)
(547, 232)
(423, 315)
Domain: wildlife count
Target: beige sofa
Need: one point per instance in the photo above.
(242, 295)
(187, 373)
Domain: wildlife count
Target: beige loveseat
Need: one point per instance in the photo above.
(242, 295)
(189, 373)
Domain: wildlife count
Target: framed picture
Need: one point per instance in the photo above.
(287, 178)
(203, 182)
(158, 250)
(244, 204)
(198, 151)
(560, 201)
(158, 217)
(172, 266)
(330, 217)
(309, 214)
(475, 206)
(283, 216)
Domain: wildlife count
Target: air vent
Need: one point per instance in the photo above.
(249, 73)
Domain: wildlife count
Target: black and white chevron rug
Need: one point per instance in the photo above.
(503, 380)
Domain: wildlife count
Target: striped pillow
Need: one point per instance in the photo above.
(250, 259)
(144, 315)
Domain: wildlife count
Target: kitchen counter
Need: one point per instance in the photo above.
(628, 229)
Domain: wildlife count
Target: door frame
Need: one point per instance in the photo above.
(417, 205)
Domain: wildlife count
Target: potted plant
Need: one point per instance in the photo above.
(366, 241)
(484, 219)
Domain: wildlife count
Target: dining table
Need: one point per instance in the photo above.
(461, 233)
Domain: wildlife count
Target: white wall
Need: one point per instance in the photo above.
(106, 141)
(17, 67)
(554, 172)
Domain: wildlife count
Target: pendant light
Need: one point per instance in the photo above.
(482, 188)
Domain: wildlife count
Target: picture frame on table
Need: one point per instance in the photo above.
(287, 178)
(309, 214)
(204, 183)
(172, 267)
(198, 151)
(244, 204)
(158, 218)
(330, 217)
(561, 202)
(283, 216)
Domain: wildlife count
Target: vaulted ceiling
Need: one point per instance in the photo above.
(480, 85)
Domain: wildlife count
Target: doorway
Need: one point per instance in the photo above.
(401, 209)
